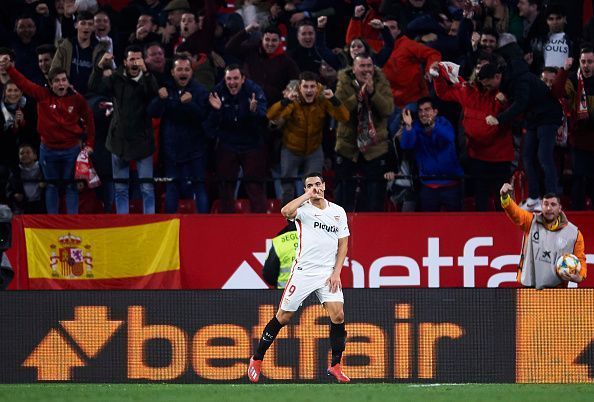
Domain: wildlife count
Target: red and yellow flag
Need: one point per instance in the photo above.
(142, 256)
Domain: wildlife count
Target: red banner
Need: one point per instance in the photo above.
(385, 250)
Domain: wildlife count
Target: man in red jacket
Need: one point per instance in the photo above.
(60, 111)
(489, 148)
(403, 69)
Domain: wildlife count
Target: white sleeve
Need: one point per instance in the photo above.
(343, 225)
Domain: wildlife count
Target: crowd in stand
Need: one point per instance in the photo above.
(412, 105)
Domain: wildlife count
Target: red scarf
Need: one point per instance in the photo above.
(582, 112)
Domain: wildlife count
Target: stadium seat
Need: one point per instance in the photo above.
(273, 206)
(242, 206)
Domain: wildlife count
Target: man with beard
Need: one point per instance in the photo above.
(578, 89)
(60, 112)
(547, 236)
(362, 141)
(130, 136)
(182, 107)
(236, 120)
(432, 140)
(77, 55)
(304, 113)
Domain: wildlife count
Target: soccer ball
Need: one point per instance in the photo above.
(568, 264)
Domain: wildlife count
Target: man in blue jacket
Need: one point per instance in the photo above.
(236, 120)
(432, 139)
(182, 106)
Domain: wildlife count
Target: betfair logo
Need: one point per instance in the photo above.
(73, 344)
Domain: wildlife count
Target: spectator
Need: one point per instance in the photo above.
(24, 44)
(17, 125)
(77, 55)
(264, 61)
(432, 139)
(236, 120)
(103, 31)
(45, 54)
(197, 32)
(489, 148)
(60, 111)
(502, 18)
(360, 27)
(403, 69)
(542, 117)
(408, 10)
(554, 46)
(130, 136)
(156, 63)
(362, 141)
(359, 45)
(9, 55)
(306, 53)
(578, 88)
(146, 31)
(182, 107)
(303, 113)
(25, 187)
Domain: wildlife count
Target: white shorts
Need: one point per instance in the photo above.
(301, 285)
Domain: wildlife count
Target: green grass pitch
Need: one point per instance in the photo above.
(296, 392)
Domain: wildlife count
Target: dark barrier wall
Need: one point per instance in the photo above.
(404, 335)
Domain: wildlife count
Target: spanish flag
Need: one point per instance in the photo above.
(94, 255)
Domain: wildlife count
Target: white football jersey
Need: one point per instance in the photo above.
(318, 231)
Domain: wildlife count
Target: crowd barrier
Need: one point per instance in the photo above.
(394, 335)
(429, 250)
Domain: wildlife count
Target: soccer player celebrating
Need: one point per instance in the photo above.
(323, 235)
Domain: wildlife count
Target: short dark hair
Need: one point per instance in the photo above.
(308, 76)
(586, 48)
(181, 56)
(304, 23)
(552, 195)
(272, 29)
(427, 99)
(84, 15)
(391, 17)
(7, 51)
(27, 144)
(490, 32)
(133, 49)
(47, 48)
(313, 174)
(234, 66)
(151, 44)
(488, 71)
(54, 72)
(556, 9)
(362, 55)
(550, 69)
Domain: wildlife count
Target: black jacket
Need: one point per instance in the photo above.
(130, 134)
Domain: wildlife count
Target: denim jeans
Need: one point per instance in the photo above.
(290, 167)
(58, 164)
(541, 143)
(434, 199)
(181, 186)
(121, 170)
